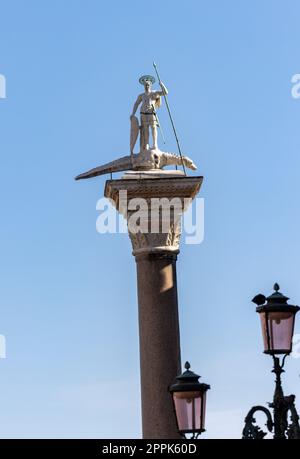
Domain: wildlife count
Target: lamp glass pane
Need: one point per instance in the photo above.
(188, 410)
(203, 410)
(278, 326)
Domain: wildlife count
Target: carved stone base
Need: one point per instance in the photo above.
(153, 173)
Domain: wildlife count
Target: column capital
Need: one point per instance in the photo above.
(160, 203)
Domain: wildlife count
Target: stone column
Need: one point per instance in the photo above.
(155, 254)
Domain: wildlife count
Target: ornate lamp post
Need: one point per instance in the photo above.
(189, 399)
(277, 321)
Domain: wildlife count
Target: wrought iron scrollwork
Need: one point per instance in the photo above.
(293, 429)
(285, 420)
(252, 431)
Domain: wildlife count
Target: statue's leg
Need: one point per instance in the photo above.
(154, 136)
(146, 136)
(141, 137)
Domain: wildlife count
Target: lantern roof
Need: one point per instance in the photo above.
(274, 303)
(188, 381)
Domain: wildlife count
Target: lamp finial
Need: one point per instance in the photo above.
(276, 287)
(187, 365)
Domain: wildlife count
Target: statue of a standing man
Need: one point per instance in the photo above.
(150, 101)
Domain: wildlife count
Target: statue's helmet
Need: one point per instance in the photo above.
(147, 79)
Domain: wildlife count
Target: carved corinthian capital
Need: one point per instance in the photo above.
(153, 210)
(164, 236)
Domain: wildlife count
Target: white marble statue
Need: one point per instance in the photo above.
(148, 158)
(150, 101)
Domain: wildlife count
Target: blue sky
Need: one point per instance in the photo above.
(68, 294)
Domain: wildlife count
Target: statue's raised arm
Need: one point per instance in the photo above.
(164, 91)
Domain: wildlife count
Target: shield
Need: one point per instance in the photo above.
(134, 132)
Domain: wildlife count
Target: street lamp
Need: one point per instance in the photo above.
(277, 322)
(189, 399)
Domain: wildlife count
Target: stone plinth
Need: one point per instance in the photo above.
(156, 254)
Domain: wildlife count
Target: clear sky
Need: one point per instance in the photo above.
(68, 306)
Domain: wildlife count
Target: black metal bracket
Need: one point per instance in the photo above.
(283, 409)
(252, 431)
